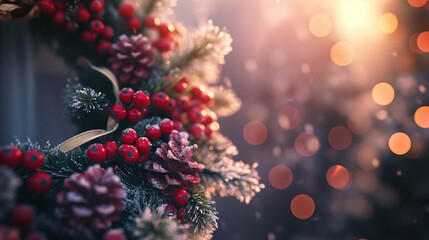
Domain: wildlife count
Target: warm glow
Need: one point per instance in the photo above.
(302, 206)
(342, 54)
(421, 117)
(306, 144)
(417, 3)
(338, 177)
(399, 143)
(288, 118)
(320, 25)
(383, 93)
(423, 41)
(280, 177)
(388, 23)
(339, 138)
(255, 132)
(359, 122)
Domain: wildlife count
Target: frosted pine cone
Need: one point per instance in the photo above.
(173, 168)
(92, 199)
(132, 59)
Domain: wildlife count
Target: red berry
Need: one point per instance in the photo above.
(197, 131)
(88, 36)
(134, 24)
(207, 98)
(171, 106)
(165, 29)
(97, 26)
(103, 47)
(176, 114)
(181, 197)
(126, 96)
(166, 126)
(59, 18)
(196, 115)
(210, 117)
(160, 100)
(96, 6)
(59, 6)
(111, 149)
(143, 145)
(183, 103)
(143, 158)
(134, 115)
(144, 111)
(141, 99)
(83, 15)
(126, 10)
(164, 44)
(39, 182)
(197, 92)
(153, 132)
(180, 87)
(211, 128)
(129, 153)
(47, 6)
(33, 160)
(178, 126)
(170, 210)
(118, 112)
(10, 156)
(108, 33)
(181, 215)
(114, 234)
(22, 215)
(151, 22)
(96, 153)
(129, 136)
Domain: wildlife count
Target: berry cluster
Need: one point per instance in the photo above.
(31, 160)
(137, 103)
(166, 32)
(86, 18)
(127, 11)
(181, 198)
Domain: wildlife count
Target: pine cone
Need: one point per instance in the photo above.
(92, 199)
(132, 59)
(173, 168)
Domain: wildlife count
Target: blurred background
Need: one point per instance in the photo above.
(335, 112)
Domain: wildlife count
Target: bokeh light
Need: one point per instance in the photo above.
(365, 181)
(423, 41)
(255, 132)
(368, 158)
(302, 206)
(388, 22)
(383, 93)
(288, 118)
(417, 3)
(320, 25)
(280, 177)
(306, 144)
(338, 177)
(421, 117)
(342, 53)
(339, 138)
(399, 143)
(359, 122)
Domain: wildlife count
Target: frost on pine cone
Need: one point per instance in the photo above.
(132, 59)
(173, 168)
(93, 198)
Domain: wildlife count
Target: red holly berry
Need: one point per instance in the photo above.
(83, 15)
(111, 149)
(196, 115)
(183, 103)
(47, 6)
(96, 6)
(210, 117)
(197, 130)
(108, 33)
(143, 158)
(153, 132)
(129, 136)
(33, 160)
(39, 182)
(96, 153)
(160, 100)
(126, 96)
(166, 126)
(22, 215)
(211, 128)
(141, 99)
(114, 234)
(151, 22)
(134, 24)
(88, 36)
(171, 106)
(180, 87)
(164, 44)
(144, 111)
(103, 47)
(118, 112)
(128, 153)
(97, 26)
(170, 210)
(181, 197)
(178, 126)
(126, 10)
(207, 98)
(197, 92)
(165, 29)
(59, 18)
(181, 215)
(143, 145)
(134, 115)
(10, 156)
(176, 114)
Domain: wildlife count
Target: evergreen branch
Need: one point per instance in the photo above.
(158, 6)
(201, 213)
(225, 101)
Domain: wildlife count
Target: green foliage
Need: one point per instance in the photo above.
(201, 213)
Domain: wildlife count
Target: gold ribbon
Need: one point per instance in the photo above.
(112, 125)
